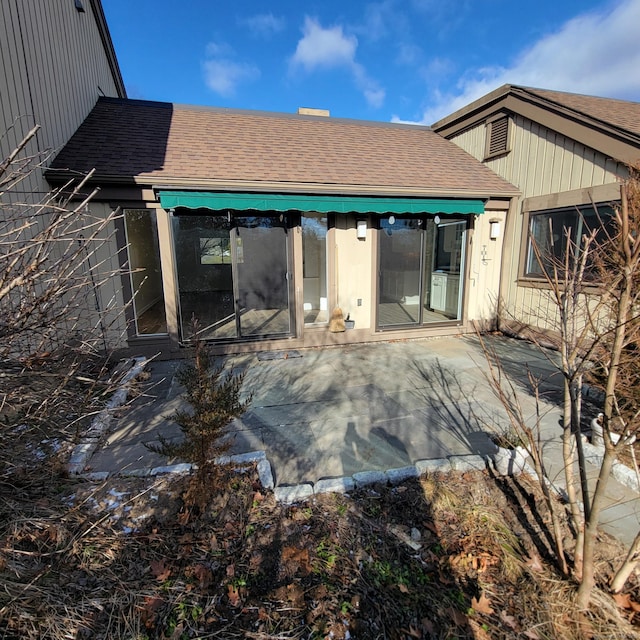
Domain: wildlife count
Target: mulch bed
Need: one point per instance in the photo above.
(447, 556)
(444, 556)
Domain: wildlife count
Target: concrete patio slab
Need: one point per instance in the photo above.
(358, 409)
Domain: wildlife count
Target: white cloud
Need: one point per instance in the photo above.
(595, 53)
(265, 24)
(437, 67)
(222, 73)
(375, 97)
(324, 48)
(330, 48)
(408, 53)
(373, 93)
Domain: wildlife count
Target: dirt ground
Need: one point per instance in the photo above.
(444, 556)
(447, 556)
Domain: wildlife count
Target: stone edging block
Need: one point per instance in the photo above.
(295, 493)
(100, 424)
(334, 485)
(396, 476)
(468, 463)
(184, 467)
(265, 474)
(439, 465)
(366, 478)
(623, 474)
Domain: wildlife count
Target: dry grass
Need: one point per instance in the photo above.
(129, 559)
(445, 556)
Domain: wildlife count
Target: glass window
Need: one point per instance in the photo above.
(146, 273)
(215, 251)
(549, 232)
(314, 268)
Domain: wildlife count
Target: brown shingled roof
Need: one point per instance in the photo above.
(157, 143)
(619, 113)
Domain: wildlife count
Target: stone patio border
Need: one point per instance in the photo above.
(83, 451)
(290, 494)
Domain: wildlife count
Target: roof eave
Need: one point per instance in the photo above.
(57, 176)
(332, 189)
(612, 141)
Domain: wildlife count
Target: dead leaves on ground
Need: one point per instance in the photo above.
(482, 605)
(628, 604)
(160, 570)
(625, 601)
(149, 610)
(317, 568)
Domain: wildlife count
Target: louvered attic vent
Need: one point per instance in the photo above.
(498, 137)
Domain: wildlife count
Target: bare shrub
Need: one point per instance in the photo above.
(594, 291)
(55, 258)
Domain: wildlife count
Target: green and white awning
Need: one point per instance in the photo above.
(224, 201)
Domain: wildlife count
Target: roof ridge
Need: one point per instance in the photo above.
(176, 106)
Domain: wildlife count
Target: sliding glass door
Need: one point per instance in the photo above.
(143, 249)
(233, 276)
(420, 265)
(401, 255)
(262, 276)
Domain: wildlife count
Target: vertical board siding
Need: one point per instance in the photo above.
(54, 69)
(14, 95)
(541, 162)
(17, 109)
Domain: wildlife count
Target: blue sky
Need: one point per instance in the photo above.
(393, 60)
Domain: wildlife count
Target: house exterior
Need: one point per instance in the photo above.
(265, 225)
(566, 153)
(56, 58)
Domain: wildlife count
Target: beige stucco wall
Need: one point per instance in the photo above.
(355, 268)
(484, 267)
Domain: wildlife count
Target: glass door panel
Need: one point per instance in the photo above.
(205, 275)
(443, 290)
(233, 276)
(314, 268)
(260, 250)
(399, 292)
(146, 273)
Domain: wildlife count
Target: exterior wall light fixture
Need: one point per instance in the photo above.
(361, 229)
(494, 229)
